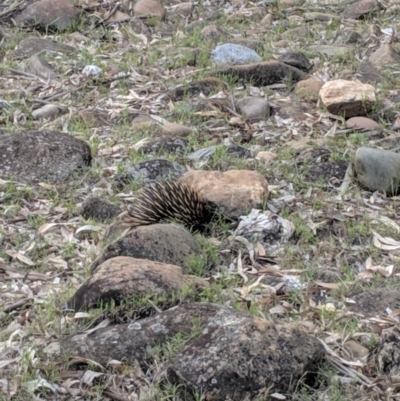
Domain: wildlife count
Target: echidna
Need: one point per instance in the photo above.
(170, 200)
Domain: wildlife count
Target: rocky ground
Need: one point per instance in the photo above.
(285, 114)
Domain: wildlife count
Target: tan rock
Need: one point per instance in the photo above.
(356, 350)
(48, 112)
(267, 20)
(117, 16)
(183, 9)
(123, 277)
(266, 156)
(384, 55)
(236, 192)
(171, 129)
(347, 98)
(308, 89)
(149, 8)
(362, 123)
(142, 121)
(291, 3)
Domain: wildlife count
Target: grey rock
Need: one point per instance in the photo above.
(166, 243)
(151, 171)
(230, 53)
(265, 73)
(235, 357)
(254, 108)
(31, 46)
(360, 9)
(56, 14)
(99, 209)
(296, 59)
(378, 169)
(39, 67)
(202, 154)
(32, 157)
(367, 73)
(48, 112)
(165, 144)
(331, 50)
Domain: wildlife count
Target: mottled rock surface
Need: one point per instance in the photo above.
(98, 208)
(34, 156)
(166, 243)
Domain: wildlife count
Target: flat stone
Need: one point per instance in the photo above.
(291, 3)
(173, 243)
(172, 145)
(265, 73)
(31, 46)
(378, 169)
(384, 55)
(176, 129)
(56, 14)
(34, 156)
(39, 67)
(348, 98)
(361, 9)
(367, 73)
(317, 16)
(362, 123)
(331, 50)
(256, 45)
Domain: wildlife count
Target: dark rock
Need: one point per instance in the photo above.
(207, 86)
(367, 73)
(238, 355)
(166, 243)
(41, 68)
(265, 73)
(99, 209)
(58, 14)
(32, 157)
(151, 171)
(235, 356)
(31, 46)
(375, 303)
(124, 277)
(166, 144)
(296, 59)
(354, 37)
